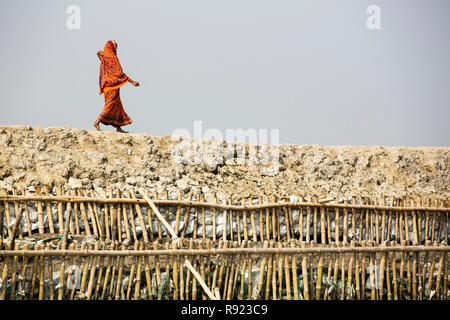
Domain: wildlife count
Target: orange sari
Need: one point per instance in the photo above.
(110, 80)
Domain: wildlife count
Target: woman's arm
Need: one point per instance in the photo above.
(100, 54)
(134, 83)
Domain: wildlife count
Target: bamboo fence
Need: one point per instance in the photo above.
(131, 245)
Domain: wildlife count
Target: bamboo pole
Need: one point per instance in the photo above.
(33, 274)
(291, 221)
(12, 289)
(66, 289)
(159, 216)
(230, 216)
(115, 267)
(238, 228)
(177, 217)
(186, 218)
(12, 236)
(328, 226)
(222, 263)
(373, 275)
(27, 215)
(49, 212)
(114, 215)
(280, 273)
(308, 225)
(430, 276)
(350, 271)
(277, 220)
(148, 277)
(78, 199)
(394, 276)
(382, 275)
(274, 277)
(305, 276)
(106, 217)
(18, 212)
(441, 223)
(300, 224)
(60, 212)
(343, 258)
(4, 283)
(40, 214)
(404, 202)
(363, 271)
(445, 293)
(158, 273)
(345, 224)
(244, 221)
(141, 217)
(23, 274)
(84, 215)
(133, 225)
(401, 273)
(75, 218)
(294, 273)
(267, 220)
(315, 223)
(414, 277)
(100, 275)
(242, 273)
(5, 214)
(261, 273)
(198, 277)
(194, 235)
(41, 275)
(433, 225)
(377, 222)
(182, 281)
(214, 222)
(231, 278)
(357, 282)
(269, 273)
(353, 228)
(175, 274)
(336, 226)
(438, 278)
(250, 276)
(287, 276)
(107, 273)
(203, 220)
(261, 221)
(286, 220)
(87, 262)
(383, 222)
(94, 262)
(126, 225)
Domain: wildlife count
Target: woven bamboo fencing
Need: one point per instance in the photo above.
(131, 245)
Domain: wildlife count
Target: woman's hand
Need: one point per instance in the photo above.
(134, 83)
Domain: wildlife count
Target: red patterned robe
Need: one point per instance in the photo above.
(110, 80)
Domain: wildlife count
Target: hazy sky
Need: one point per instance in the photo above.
(311, 69)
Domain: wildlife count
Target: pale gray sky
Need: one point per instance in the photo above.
(311, 69)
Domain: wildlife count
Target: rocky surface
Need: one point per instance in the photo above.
(73, 158)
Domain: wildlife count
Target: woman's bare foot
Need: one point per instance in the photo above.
(119, 129)
(97, 126)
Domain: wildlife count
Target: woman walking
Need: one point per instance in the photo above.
(111, 79)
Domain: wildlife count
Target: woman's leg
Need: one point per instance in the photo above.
(119, 129)
(96, 125)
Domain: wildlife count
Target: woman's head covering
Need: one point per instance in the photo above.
(111, 74)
